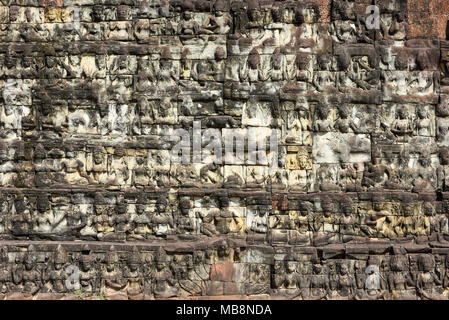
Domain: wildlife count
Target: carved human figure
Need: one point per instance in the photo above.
(56, 276)
(188, 27)
(427, 280)
(322, 121)
(259, 223)
(424, 123)
(399, 279)
(349, 224)
(134, 277)
(5, 271)
(403, 124)
(111, 281)
(162, 220)
(326, 224)
(319, 282)
(346, 282)
(344, 122)
(163, 281)
(88, 273)
(185, 223)
(28, 277)
(220, 23)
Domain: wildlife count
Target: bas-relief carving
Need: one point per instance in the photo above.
(362, 123)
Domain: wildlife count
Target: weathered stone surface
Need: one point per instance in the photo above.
(114, 117)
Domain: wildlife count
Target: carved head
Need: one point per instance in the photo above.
(290, 266)
(134, 259)
(346, 206)
(302, 61)
(324, 61)
(397, 263)
(220, 54)
(378, 204)
(13, 13)
(98, 156)
(111, 259)
(219, 7)
(70, 151)
(444, 155)
(123, 12)
(343, 112)
(253, 59)
(30, 258)
(161, 259)
(223, 249)
(401, 62)
(425, 263)
(43, 203)
(140, 209)
(399, 16)
(97, 13)
(253, 9)
(327, 206)
(402, 113)
(323, 111)
(60, 257)
(161, 204)
(40, 152)
(422, 60)
(310, 12)
(184, 205)
(423, 112)
(344, 269)
(317, 268)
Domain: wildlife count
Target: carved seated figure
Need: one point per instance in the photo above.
(188, 28)
(326, 179)
(29, 279)
(346, 286)
(259, 223)
(403, 124)
(349, 224)
(134, 278)
(219, 23)
(56, 278)
(399, 279)
(88, 274)
(344, 122)
(319, 282)
(288, 281)
(326, 224)
(185, 223)
(424, 123)
(163, 280)
(112, 282)
(345, 27)
(5, 271)
(435, 224)
(376, 174)
(162, 220)
(427, 280)
(141, 223)
(323, 122)
(425, 176)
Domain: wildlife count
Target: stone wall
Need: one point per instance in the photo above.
(350, 202)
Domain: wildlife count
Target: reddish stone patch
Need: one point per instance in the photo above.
(221, 272)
